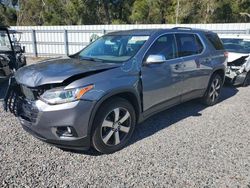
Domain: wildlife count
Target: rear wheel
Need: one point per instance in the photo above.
(247, 80)
(213, 91)
(114, 125)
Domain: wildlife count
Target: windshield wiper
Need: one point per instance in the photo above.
(90, 58)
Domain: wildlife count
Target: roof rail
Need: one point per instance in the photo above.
(185, 28)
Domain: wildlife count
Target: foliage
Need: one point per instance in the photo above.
(82, 12)
(8, 14)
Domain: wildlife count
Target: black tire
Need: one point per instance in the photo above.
(213, 91)
(2, 73)
(110, 128)
(247, 80)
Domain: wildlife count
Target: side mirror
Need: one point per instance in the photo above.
(155, 59)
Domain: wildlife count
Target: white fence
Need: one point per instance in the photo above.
(60, 40)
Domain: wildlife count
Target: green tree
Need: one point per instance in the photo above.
(53, 12)
(153, 11)
(30, 13)
(8, 15)
(244, 10)
(82, 12)
(199, 11)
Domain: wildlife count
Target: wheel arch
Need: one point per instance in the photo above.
(129, 94)
(221, 73)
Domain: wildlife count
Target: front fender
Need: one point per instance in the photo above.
(108, 95)
(107, 82)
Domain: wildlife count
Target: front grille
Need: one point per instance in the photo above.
(28, 111)
(20, 100)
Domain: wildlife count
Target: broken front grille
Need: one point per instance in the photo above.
(12, 99)
(20, 100)
(28, 111)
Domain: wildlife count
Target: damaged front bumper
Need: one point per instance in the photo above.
(63, 125)
(237, 72)
(234, 77)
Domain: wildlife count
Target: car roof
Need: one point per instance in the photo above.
(153, 31)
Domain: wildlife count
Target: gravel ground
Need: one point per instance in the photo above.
(186, 146)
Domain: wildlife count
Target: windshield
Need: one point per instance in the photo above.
(4, 41)
(117, 48)
(237, 45)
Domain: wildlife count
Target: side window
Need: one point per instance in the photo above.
(188, 44)
(215, 41)
(165, 45)
(198, 44)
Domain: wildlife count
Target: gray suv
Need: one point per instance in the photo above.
(96, 97)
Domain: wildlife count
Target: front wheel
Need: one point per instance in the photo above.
(212, 94)
(114, 125)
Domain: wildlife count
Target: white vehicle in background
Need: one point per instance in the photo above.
(238, 47)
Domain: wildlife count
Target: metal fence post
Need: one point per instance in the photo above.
(66, 43)
(34, 44)
(103, 31)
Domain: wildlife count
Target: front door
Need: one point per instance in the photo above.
(162, 82)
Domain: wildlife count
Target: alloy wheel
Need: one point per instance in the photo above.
(116, 126)
(214, 89)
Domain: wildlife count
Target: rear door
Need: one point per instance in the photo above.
(162, 82)
(195, 68)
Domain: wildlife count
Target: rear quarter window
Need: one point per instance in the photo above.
(215, 41)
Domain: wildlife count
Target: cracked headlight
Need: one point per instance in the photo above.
(61, 95)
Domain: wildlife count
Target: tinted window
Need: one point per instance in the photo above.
(215, 41)
(165, 45)
(188, 44)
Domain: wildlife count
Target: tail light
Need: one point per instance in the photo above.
(225, 54)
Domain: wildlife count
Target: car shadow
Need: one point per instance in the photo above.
(166, 118)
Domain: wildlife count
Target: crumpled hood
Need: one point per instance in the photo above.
(232, 56)
(58, 70)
